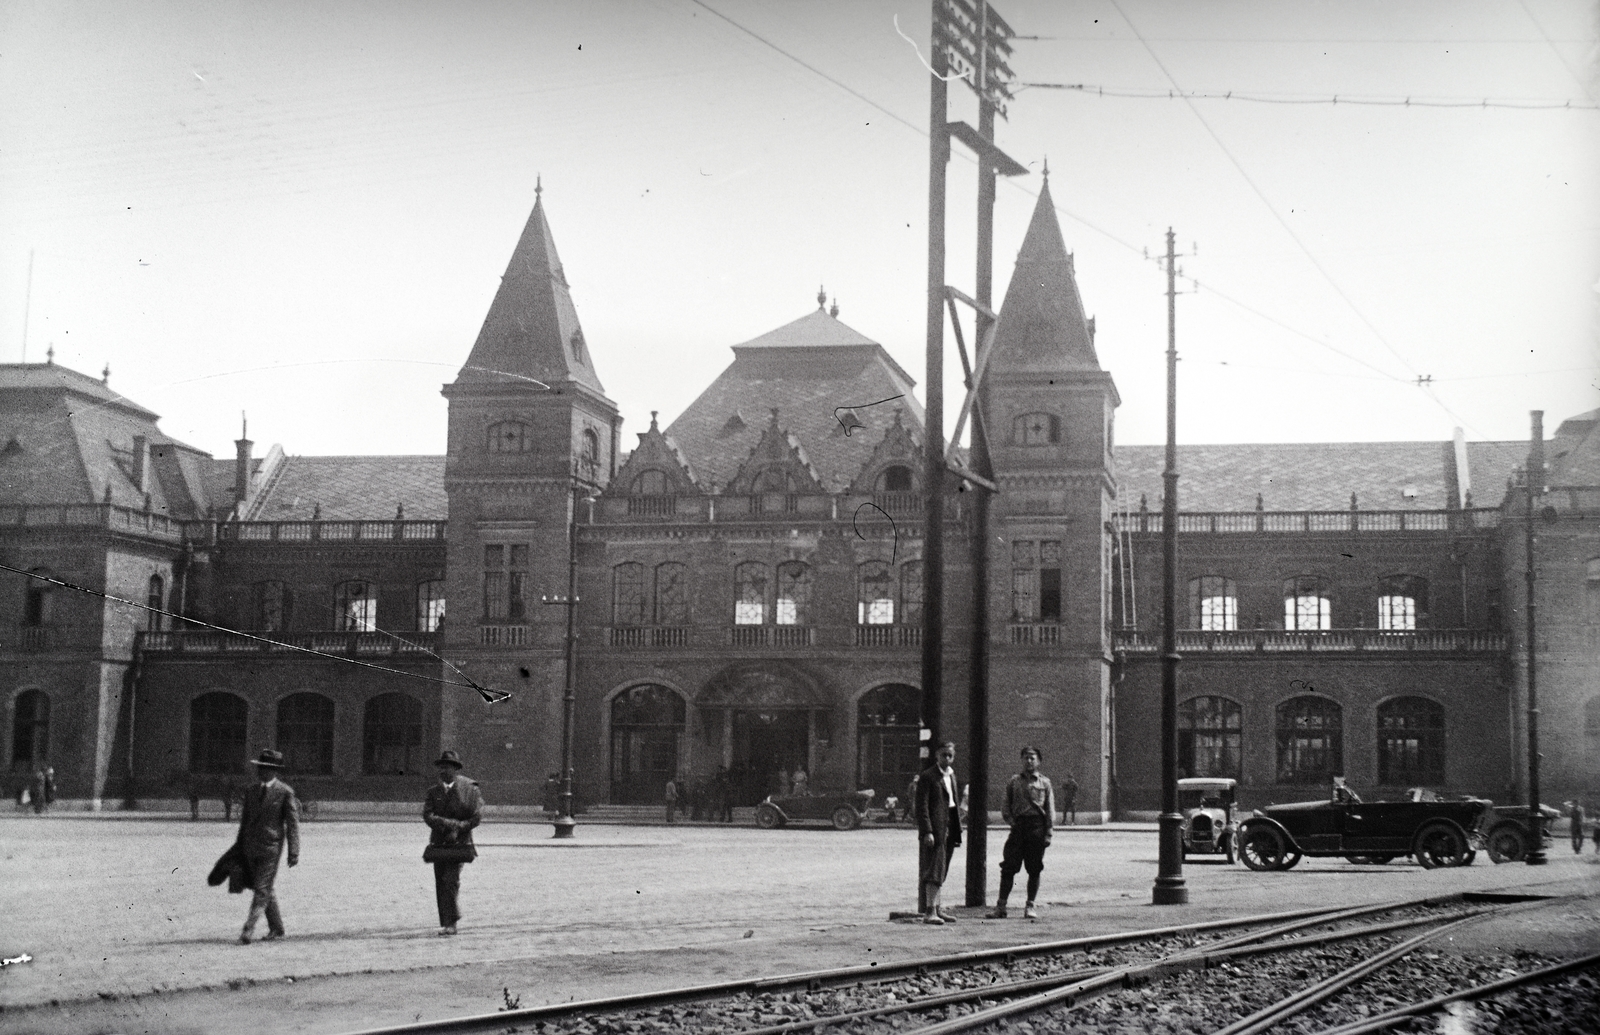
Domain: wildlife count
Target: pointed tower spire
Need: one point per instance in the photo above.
(1042, 326)
(532, 330)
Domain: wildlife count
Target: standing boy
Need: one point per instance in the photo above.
(937, 804)
(1030, 809)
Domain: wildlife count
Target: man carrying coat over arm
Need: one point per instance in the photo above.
(453, 807)
(937, 806)
(270, 816)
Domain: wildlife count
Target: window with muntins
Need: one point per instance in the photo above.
(1591, 591)
(875, 594)
(1036, 580)
(305, 733)
(391, 736)
(1307, 604)
(793, 604)
(36, 601)
(273, 606)
(672, 594)
(30, 730)
(628, 594)
(1401, 601)
(1036, 429)
(1213, 603)
(355, 606)
(750, 594)
(430, 605)
(1410, 741)
(510, 436)
(1310, 740)
(911, 593)
(218, 724)
(1210, 737)
(505, 582)
(155, 602)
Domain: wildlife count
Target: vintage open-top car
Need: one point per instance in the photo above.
(1506, 829)
(1207, 807)
(844, 811)
(1437, 833)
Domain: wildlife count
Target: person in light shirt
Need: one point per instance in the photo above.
(1030, 809)
(937, 806)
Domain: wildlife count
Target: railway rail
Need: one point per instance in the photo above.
(989, 988)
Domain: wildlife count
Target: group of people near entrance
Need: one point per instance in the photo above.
(269, 821)
(1028, 808)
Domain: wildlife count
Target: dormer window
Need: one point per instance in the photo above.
(576, 342)
(1036, 429)
(650, 483)
(895, 479)
(510, 436)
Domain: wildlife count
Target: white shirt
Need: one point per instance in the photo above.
(948, 778)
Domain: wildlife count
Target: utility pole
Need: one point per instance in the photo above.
(1534, 480)
(1169, 888)
(933, 448)
(564, 822)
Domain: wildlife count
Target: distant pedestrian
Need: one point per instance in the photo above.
(783, 783)
(452, 808)
(1069, 797)
(937, 807)
(36, 792)
(1577, 826)
(1030, 809)
(799, 782)
(671, 796)
(49, 786)
(269, 817)
(723, 795)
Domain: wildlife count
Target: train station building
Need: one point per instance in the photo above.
(749, 583)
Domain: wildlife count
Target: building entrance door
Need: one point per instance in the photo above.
(647, 724)
(765, 745)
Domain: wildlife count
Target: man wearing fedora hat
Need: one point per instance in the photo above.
(270, 815)
(453, 807)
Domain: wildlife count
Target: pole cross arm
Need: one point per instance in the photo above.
(992, 156)
(977, 479)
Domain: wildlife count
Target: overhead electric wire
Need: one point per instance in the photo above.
(1334, 99)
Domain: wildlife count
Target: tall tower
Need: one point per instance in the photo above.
(530, 423)
(1049, 410)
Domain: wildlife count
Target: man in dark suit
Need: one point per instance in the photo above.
(937, 805)
(269, 817)
(452, 808)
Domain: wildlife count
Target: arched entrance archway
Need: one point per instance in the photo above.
(767, 720)
(647, 724)
(888, 720)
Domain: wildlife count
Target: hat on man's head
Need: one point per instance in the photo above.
(270, 759)
(449, 758)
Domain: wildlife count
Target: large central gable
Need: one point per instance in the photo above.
(826, 380)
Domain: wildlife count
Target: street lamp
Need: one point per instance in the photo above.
(564, 822)
(1535, 484)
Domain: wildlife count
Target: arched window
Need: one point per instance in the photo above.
(1410, 741)
(647, 725)
(672, 594)
(1213, 604)
(305, 733)
(875, 594)
(911, 593)
(36, 609)
(793, 605)
(590, 449)
(750, 594)
(355, 606)
(895, 479)
(887, 723)
(30, 730)
(1036, 429)
(155, 598)
(430, 605)
(1310, 740)
(510, 436)
(1591, 591)
(1307, 604)
(1402, 601)
(273, 606)
(391, 736)
(218, 727)
(650, 483)
(1209, 737)
(628, 594)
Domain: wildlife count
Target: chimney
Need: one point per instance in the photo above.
(1536, 473)
(241, 465)
(1463, 475)
(141, 463)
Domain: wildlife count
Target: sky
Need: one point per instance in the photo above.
(301, 211)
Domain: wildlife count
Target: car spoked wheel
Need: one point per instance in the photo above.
(1507, 844)
(845, 818)
(1439, 844)
(768, 818)
(1262, 849)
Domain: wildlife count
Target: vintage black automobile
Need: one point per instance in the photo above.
(1506, 830)
(844, 811)
(1207, 807)
(1437, 833)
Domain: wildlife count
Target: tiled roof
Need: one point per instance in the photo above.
(1042, 326)
(350, 488)
(804, 370)
(1316, 476)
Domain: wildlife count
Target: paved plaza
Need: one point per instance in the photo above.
(125, 935)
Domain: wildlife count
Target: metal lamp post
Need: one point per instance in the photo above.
(1535, 484)
(564, 822)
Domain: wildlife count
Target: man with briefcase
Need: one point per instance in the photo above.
(453, 807)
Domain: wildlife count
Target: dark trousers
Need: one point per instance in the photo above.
(264, 898)
(1024, 849)
(446, 887)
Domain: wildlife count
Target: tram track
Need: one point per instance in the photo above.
(1064, 974)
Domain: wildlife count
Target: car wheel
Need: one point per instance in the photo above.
(1439, 844)
(1507, 843)
(1290, 862)
(1262, 849)
(1466, 860)
(768, 818)
(845, 818)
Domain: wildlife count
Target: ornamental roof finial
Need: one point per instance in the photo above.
(822, 298)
